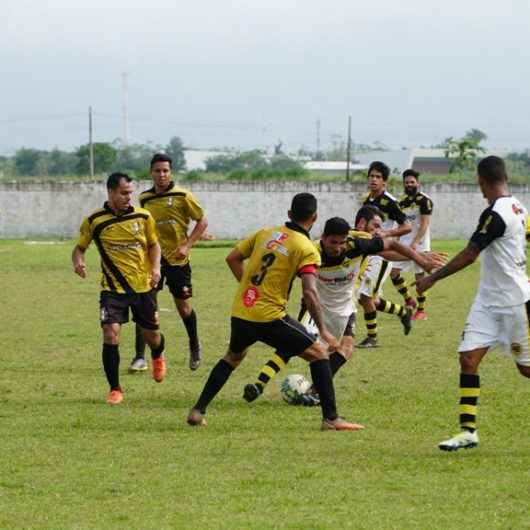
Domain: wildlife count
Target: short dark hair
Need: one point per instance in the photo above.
(336, 226)
(113, 182)
(381, 167)
(303, 206)
(492, 169)
(161, 157)
(367, 213)
(411, 173)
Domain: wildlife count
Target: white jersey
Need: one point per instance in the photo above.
(414, 207)
(500, 235)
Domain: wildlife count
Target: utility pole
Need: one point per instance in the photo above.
(90, 143)
(348, 150)
(125, 105)
(318, 138)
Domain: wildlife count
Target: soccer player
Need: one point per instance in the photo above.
(342, 251)
(418, 207)
(377, 269)
(173, 208)
(275, 256)
(126, 239)
(501, 311)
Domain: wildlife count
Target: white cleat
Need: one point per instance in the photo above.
(463, 440)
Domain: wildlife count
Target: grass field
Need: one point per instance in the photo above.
(69, 461)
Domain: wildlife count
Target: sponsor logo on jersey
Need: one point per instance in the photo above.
(517, 210)
(275, 242)
(250, 296)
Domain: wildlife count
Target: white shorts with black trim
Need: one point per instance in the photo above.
(508, 327)
(374, 276)
(338, 325)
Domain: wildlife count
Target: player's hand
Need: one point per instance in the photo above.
(433, 260)
(330, 340)
(80, 269)
(181, 252)
(155, 277)
(423, 284)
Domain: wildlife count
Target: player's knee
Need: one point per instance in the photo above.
(234, 359)
(184, 308)
(111, 335)
(468, 364)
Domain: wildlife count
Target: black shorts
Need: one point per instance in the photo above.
(177, 278)
(286, 335)
(114, 308)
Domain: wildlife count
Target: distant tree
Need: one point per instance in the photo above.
(134, 158)
(282, 163)
(475, 135)
(105, 156)
(246, 161)
(175, 149)
(61, 162)
(278, 148)
(519, 163)
(464, 154)
(26, 161)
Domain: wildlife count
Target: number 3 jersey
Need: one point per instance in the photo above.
(275, 257)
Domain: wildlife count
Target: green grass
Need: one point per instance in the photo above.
(69, 461)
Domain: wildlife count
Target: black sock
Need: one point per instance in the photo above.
(323, 383)
(191, 327)
(216, 380)
(336, 360)
(157, 352)
(111, 365)
(139, 343)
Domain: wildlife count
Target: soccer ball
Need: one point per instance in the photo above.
(293, 386)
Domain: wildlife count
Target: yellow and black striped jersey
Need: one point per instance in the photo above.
(172, 210)
(122, 241)
(275, 257)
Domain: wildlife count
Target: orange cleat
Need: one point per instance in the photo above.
(420, 315)
(340, 424)
(159, 369)
(115, 397)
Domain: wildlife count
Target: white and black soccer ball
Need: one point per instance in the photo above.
(293, 386)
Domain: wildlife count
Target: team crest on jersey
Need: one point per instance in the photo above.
(517, 210)
(250, 296)
(135, 226)
(170, 201)
(276, 242)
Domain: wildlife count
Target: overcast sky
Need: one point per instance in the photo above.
(249, 73)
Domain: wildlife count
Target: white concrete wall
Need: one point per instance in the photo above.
(234, 209)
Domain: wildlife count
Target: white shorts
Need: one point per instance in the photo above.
(488, 327)
(407, 266)
(374, 276)
(338, 325)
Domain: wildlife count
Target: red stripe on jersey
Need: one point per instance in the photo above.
(308, 269)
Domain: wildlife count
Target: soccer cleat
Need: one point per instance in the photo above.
(159, 369)
(252, 392)
(115, 397)
(196, 418)
(195, 357)
(340, 424)
(410, 302)
(463, 440)
(368, 342)
(138, 365)
(420, 315)
(406, 321)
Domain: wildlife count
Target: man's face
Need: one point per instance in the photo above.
(373, 226)
(376, 182)
(161, 174)
(120, 198)
(410, 185)
(334, 245)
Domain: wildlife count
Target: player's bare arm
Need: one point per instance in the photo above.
(78, 260)
(183, 250)
(396, 251)
(462, 260)
(401, 230)
(154, 257)
(236, 263)
(312, 303)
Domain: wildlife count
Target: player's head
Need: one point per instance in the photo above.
(378, 174)
(369, 219)
(492, 171)
(161, 170)
(119, 190)
(411, 181)
(303, 208)
(335, 236)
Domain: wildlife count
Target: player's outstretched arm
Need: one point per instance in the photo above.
(236, 262)
(462, 260)
(78, 261)
(396, 251)
(312, 303)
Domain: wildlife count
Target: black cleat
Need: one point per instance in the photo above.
(368, 342)
(406, 320)
(252, 392)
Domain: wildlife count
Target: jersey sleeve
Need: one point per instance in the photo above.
(309, 261)
(150, 231)
(85, 234)
(396, 213)
(490, 227)
(426, 206)
(195, 210)
(246, 246)
(367, 246)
